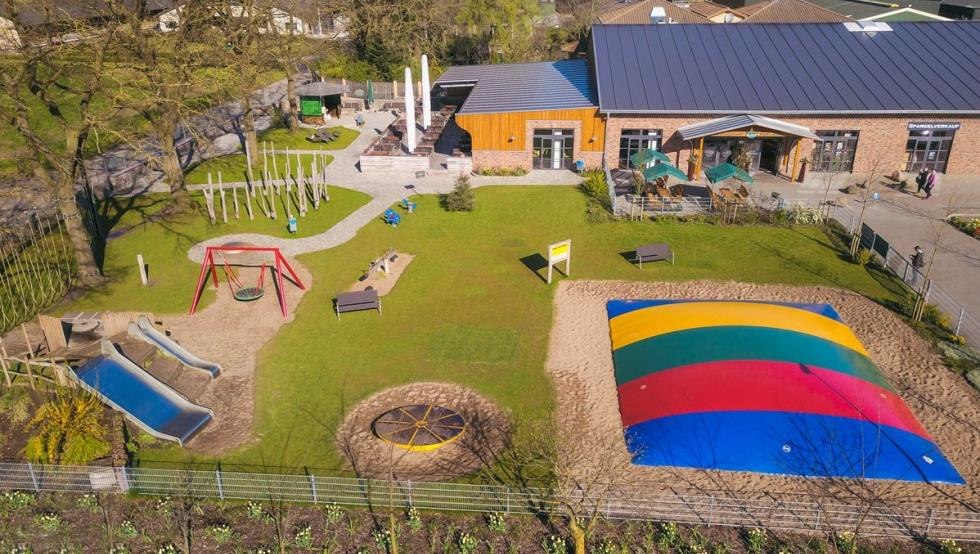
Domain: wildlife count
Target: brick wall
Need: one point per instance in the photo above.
(879, 138)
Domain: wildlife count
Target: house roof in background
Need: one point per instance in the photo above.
(794, 11)
(638, 13)
(907, 14)
(858, 10)
(319, 88)
(807, 68)
(523, 87)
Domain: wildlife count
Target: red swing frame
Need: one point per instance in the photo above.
(209, 266)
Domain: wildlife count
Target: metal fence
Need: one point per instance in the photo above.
(796, 516)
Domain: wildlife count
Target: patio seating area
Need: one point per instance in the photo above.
(391, 142)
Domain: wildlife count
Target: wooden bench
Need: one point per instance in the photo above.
(356, 301)
(654, 253)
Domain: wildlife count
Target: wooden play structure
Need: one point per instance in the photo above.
(241, 291)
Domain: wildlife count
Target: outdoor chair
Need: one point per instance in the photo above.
(677, 192)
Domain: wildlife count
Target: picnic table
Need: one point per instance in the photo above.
(356, 301)
(654, 253)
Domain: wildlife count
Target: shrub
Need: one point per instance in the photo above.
(128, 529)
(466, 543)
(15, 500)
(667, 536)
(69, 431)
(332, 513)
(382, 539)
(803, 215)
(846, 542)
(220, 533)
(49, 522)
(554, 545)
(970, 226)
(516, 171)
(254, 510)
(88, 501)
(496, 522)
(933, 316)
(594, 186)
(413, 519)
(461, 199)
(755, 540)
(949, 546)
(863, 257)
(304, 537)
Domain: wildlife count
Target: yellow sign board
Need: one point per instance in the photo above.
(557, 253)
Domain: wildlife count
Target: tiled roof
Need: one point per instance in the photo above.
(707, 9)
(794, 11)
(523, 87)
(638, 13)
(804, 68)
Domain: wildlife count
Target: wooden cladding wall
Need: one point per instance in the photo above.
(493, 131)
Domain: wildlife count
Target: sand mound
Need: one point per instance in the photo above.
(580, 364)
(487, 428)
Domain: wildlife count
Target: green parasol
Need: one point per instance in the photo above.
(369, 97)
(727, 171)
(663, 169)
(648, 155)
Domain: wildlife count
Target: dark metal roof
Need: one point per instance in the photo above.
(740, 121)
(523, 87)
(788, 68)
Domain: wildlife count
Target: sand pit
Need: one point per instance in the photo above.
(580, 363)
(487, 428)
(231, 333)
(381, 281)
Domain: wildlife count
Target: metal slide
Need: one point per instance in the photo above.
(156, 408)
(143, 329)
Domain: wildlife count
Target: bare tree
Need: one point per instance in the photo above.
(868, 192)
(286, 48)
(61, 67)
(938, 226)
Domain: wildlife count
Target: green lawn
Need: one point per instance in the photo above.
(469, 311)
(233, 168)
(164, 243)
(283, 139)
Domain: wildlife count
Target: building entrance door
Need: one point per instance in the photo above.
(769, 156)
(552, 148)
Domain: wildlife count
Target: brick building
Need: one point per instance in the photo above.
(825, 96)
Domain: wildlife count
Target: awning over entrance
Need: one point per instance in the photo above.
(733, 122)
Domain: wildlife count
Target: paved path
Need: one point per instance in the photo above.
(905, 220)
(385, 189)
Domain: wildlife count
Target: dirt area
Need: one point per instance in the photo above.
(231, 333)
(580, 363)
(381, 281)
(487, 428)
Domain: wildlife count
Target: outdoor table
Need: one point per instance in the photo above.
(653, 253)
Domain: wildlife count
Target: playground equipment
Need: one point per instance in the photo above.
(153, 406)
(144, 330)
(420, 427)
(239, 290)
(391, 217)
(208, 265)
(409, 205)
(765, 387)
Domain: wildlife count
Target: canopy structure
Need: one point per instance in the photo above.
(647, 156)
(663, 169)
(727, 171)
(764, 387)
(742, 121)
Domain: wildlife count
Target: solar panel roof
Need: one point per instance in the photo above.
(916, 67)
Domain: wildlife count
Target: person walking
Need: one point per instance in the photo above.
(920, 180)
(930, 182)
(918, 262)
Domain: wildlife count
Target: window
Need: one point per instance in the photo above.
(632, 141)
(928, 149)
(835, 152)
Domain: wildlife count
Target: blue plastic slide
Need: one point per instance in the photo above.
(156, 408)
(143, 329)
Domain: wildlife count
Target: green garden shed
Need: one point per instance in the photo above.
(318, 99)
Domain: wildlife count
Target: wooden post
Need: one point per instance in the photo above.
(289, 169)
(275, 165)
(30, 354)
(316, 183)
(697, 173)
(796, 160)
(139, 262)
(221, 194)
(4, 365)
(234, 197)
(248, 161)
(209, 199)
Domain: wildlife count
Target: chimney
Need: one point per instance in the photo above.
(658, 15)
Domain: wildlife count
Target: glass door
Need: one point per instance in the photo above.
(928, 150)
(552, 148)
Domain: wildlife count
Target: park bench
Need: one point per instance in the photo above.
(654, 253)
(356, 301)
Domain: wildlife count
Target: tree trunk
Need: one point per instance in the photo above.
(248, 127)
(173, 173)
(88, 270)
(578, 536)
(289, 105)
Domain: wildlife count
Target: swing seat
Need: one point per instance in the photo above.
(248, 294)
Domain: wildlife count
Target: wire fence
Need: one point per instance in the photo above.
(883, 521)
(37, 267)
